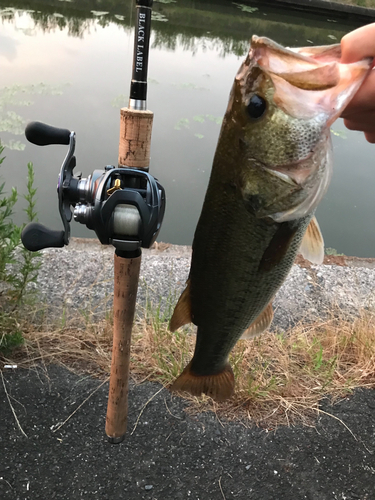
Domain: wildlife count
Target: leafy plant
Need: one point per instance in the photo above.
(156, 16)
(9, 233)
(16, 96)
(11, 340)
(18, 266)
(333, 252)
(30, 261)
(185, 123)
(246, 8)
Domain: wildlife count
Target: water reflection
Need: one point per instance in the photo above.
(69, 64)
(8, 48)
(227, 24)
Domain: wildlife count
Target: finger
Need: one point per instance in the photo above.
(358, 44)
(369, 134)
(370, 137)
(364, 123)
(364, 99)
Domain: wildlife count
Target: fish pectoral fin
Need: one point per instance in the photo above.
(260, 324)
(182, 312)
(312, 246)
(219, 386)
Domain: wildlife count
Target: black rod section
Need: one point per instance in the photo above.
(138, 86)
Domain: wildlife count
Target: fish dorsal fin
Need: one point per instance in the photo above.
(261, 323)
(312, 246)
(182, 312)
(219, 386)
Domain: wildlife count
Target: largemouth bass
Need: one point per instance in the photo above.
(272, 166)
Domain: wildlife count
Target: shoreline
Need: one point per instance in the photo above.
(163, 248)
(77, 281)
(326, 7)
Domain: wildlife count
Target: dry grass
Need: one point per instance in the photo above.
(280, 379)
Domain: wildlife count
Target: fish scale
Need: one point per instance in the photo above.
(240, 293)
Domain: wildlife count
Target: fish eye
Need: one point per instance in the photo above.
(256, 106)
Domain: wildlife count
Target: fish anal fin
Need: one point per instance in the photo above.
(260, 324)
(312, 246)
(219, 386)
(182, 312)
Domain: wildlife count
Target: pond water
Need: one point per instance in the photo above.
(68, 63)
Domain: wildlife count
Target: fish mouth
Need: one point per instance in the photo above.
(308, 179)
(295, 173)
(314, 184)
(312, 86)
(308, 81)
(306, 89)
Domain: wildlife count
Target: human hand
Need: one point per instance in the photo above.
(360, 113)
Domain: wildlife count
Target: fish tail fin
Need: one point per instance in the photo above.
(219, 386)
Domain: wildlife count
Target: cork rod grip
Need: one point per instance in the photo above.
(126, 274)
(135, 138)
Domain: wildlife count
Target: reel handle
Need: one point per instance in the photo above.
(42, 134)
(35, 237)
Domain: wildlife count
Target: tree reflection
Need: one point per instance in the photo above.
(187, 24)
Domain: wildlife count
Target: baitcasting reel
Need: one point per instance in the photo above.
(125, 207)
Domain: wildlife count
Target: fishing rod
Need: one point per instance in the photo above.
(123, 204)
(134, 152)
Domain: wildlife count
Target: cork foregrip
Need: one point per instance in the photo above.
(135, 138)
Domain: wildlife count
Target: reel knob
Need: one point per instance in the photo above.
(35, 237)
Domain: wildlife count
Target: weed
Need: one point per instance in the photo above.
(30, 261)
(318, 356)
(9, 341)
(18, 266)
(9, 232)
(11, 335)
(280, 379)
(332, 251)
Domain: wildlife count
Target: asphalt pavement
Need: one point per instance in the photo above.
(62, 451)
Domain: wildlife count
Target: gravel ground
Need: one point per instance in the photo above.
(80, 278)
